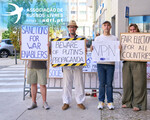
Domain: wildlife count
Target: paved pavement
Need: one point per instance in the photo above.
(12, 106)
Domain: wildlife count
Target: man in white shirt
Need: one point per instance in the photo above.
(73, 74)
(105, 71)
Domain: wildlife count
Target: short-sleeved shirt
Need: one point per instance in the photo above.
(105, 38)
(37, 64)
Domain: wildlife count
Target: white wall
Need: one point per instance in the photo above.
(136, 8)
(139, 7)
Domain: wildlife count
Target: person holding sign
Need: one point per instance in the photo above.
(134, 81)
(105, 70)
(73, 73)
(37, 74)
(36, 70)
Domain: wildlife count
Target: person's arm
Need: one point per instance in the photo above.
(49, 46)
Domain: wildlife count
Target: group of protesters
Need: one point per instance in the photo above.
(134, 78)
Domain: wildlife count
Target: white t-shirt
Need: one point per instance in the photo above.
(103, 37)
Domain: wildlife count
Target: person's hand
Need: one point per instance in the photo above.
(85, 50)
(120, 47)
(20, 42)
(49, 46)
(91, 48)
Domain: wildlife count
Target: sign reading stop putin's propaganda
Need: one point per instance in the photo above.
(34, 42)
(135, 46)
(68, 52)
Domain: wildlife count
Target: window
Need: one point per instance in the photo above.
(143, 22)
(82, 3)
(8, 42)
(73, 3)
(82, 12)
(73, 12)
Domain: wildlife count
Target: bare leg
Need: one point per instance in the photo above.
(43, 92)
(34, 92)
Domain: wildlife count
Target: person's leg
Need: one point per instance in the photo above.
(140, 86)
(43, 92)
(109, 80)
(42, 80)
(32, 79)
(79, 86)
(34, 92)
(127, 85)
(67, 87)
(102, 81)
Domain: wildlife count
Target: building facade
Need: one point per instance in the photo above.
(123, 12)
(82, 12)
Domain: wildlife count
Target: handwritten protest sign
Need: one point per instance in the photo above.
(105, 51)
(68, 52)
(91, 65)
(34, 42)
(55, 72)
(135, 46)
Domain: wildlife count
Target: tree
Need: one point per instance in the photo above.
(13, 27)
(6, 34)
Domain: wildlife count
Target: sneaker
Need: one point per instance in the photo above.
(110, 106)
(65, 106)
(81, 106)
(100, 105)
(34, 105)
(45, 106)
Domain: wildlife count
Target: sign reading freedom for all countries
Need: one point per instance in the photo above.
(34, 42)
(105, 51)
(135, 46)
(68, 52)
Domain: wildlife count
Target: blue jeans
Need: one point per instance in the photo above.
(105, 75)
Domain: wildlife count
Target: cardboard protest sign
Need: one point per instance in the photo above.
(105, 51)
(135, 46)
(91, 65)
(68, 52)
(34, 42)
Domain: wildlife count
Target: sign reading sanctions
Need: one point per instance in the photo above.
(135, 46)
(34, 42)
(68, 52)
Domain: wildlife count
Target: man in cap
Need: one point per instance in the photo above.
(106, 70)
(73, 74)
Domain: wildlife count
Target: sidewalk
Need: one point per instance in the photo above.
(9, 61)
(12, 107)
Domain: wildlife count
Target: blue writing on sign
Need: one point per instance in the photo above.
(102, 58)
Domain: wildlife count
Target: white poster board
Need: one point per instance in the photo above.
(34, 42)
(106, 51)
(70, 52)
(135, 46)
(91, 65)
(55, 72)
